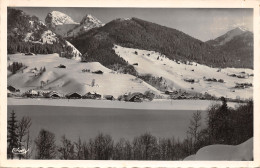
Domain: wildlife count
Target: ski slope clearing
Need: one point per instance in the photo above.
(178, 75)
(241, 152)
(72, 78)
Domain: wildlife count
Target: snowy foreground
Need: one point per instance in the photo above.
(175, 73)
(153, 105)
(241, 152)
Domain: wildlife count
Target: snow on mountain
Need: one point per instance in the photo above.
(76, 53)
(88, 22)
(55, 18)
(48, 37)
(241, 152)
(42, 23)
(71, 78)
(178, 74)
(90, 19)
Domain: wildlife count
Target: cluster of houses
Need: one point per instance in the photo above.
(238, 75)
(213, 80)
(132, 97)
(189, 95)
(243, 85)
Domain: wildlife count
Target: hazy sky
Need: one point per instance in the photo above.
(203, 24)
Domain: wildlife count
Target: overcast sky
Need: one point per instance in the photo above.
(203, 24)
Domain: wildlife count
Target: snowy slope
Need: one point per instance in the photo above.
(175, 73)
(71, 78)
(241, 152)
(88, 22)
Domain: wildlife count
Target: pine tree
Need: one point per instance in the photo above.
(12, 137)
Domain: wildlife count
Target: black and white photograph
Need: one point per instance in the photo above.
(130, 83)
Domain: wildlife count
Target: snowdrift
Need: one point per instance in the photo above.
(241, 152)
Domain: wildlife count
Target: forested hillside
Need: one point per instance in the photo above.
(137, 33)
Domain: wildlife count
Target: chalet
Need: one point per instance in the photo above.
(54, 95)
(73, 95)
(12, 89)
(135, 64)
(29, 53)
(98, 72)
(61, 66)
(168, 92)
(109, 97)
(31, 93)
(91, 95)
(136, 97)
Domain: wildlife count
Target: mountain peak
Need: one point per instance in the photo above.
(229, 36)
(90, 19)
(55, 18)
(242, 28)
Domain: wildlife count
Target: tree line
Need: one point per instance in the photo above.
(224, 125)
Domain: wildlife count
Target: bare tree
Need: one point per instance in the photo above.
(93, 82)
(79, 149)
(66, 149)
(194, 128)
(145, 147)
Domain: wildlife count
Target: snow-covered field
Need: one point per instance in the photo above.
(158, 65)
(154, 105)
(241, 152)
(71, 78)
